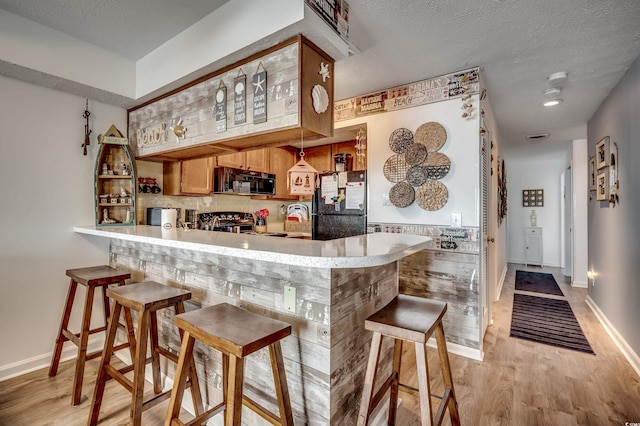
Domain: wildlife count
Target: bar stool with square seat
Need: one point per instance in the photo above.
(91, 277)
(146, 298)
(412, 319)
(236, 333)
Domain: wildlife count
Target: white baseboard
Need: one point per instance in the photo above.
(69, 351)
(524, 262)
(579, 284)
(501, 283)
(458, 349)
(624, 347)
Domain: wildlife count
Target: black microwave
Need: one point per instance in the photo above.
(243, 182)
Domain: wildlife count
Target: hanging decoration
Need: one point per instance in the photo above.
(301, 177)
(502, 192)
(240, 98)
(260, 95)
(614, 184)
(221, 108)
(87, 131)
(361, 150)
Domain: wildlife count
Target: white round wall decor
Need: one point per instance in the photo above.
(320, 99)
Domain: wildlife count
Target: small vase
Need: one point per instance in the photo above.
(533, 218)
(261, 225)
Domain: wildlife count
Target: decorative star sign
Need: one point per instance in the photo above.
(324, 71)
(258, 85)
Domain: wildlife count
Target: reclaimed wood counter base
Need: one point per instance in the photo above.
(324, 357)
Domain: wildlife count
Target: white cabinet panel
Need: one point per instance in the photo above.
(533, 245)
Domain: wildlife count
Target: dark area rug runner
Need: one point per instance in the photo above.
(537, 282)
(548, 321)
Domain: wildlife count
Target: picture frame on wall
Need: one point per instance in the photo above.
(602, 191)
(592, 173)
(602, 152)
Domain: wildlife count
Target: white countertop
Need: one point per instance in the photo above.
(353, 252)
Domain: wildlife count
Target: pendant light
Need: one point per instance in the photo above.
(301, 177)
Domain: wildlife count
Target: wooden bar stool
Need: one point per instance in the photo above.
(236, 333)
(412, 319)
(92, 277)
(146, 298)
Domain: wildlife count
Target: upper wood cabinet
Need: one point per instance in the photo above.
(256, 160)
(188, 176)
(319, 157)
(281, 160)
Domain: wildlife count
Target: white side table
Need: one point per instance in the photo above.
(533, 245)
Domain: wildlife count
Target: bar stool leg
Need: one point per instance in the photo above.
(282, 390)
(233, 411)
(139, 362)
(393, 399)
(101, 380)
(64, 323)
(180, 379)
(155, 354)
(82, 348)
(448, 379)
(426, 411)
(370, 379)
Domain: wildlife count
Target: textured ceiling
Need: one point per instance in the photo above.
(517, 44)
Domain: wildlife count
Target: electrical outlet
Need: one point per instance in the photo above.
(290, 298)
(385, 200)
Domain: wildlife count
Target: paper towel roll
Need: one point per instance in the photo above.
(168, 218)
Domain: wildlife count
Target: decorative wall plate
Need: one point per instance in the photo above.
(432, 135)
(401, 194)
(437, 165)
(400, 140)
(395, 168)
(417, 175)
(432, 195)
(416, 154)
(320, 98)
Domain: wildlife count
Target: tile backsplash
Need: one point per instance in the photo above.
(465, 239)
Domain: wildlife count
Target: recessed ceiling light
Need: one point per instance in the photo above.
(552, 102)
(558, 78)
(552, 92)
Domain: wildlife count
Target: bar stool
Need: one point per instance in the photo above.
(92, 277)
(236, 333)
(412, 319)
(146, 298)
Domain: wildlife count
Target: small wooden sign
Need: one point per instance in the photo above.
(221, 108)
(239, 100)
(260, 96)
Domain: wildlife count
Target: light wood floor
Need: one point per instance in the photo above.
(518, 383)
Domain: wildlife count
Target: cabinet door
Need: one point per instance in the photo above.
(281, 160)
(197, 176)
(533, 242)
(319, 157)
(171, 177)
(257, 160)
(235, 160)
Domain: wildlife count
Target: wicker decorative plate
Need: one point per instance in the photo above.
(401, 194)
(416, 154)
(400, 140)
(395, 168)
(417, 175)
(432, 135)
(433, 195)
(437, 165)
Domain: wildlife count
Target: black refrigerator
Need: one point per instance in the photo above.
(339, 206)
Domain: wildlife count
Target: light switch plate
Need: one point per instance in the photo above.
(385, 200)
(290, 298)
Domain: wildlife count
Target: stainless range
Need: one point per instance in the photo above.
(226, 221)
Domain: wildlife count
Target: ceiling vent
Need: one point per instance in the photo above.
(538, 136)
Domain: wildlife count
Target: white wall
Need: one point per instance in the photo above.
(47, 188)
(535, 167)
(462, 148)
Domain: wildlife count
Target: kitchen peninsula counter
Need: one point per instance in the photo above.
(336, 285)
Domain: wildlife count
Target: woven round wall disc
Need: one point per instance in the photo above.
(401, 194)
(395, 168)
(400, 140)
(416, 154)
(437, 165)
(417, 175)
(432, 195)
(432, 135)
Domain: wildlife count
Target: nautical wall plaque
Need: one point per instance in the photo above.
(221, 108)
(410, 95)
(260, 96)
(240, 99)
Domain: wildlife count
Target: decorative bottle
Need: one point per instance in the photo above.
(533, 218)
